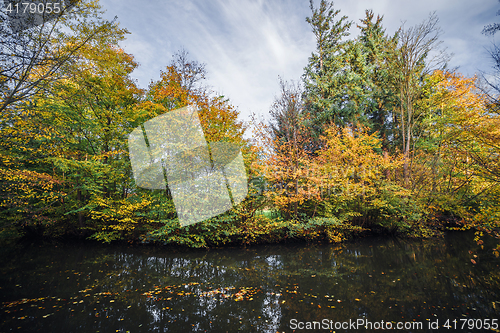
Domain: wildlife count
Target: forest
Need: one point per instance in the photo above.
(377, 136)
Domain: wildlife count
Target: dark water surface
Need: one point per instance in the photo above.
(272, 288)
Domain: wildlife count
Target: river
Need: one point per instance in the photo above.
(84, 287)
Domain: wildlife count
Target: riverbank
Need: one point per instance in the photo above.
(262, 229)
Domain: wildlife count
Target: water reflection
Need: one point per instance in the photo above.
(79, 288)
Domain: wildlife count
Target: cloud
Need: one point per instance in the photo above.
(247, 44)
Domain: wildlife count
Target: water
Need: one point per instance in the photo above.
(272, 288)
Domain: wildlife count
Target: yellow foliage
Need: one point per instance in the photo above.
(350, 163)
(117, 215)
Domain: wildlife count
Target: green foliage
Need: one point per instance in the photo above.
(214, 232)
(324, 79)
(349, 82)
(330, 229)
(327, 168)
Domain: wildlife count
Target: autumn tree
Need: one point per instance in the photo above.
(181, 85)
(287, 143)
(101, 99)
(353, 176)
(462, 133)
(32, 59)
(74, 137)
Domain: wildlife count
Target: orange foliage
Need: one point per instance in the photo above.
(176, 89)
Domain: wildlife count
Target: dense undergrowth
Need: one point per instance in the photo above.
(368, 143)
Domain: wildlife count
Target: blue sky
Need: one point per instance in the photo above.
(247, 44)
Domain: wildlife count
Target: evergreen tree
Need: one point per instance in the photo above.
(378, 49)
(324, 77)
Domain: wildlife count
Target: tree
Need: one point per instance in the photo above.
(181, 85)
(287, 112)
(287, 139)
(55, 85)
(100, 100)
(492, 87)
(324, 77)
(492, 29)
(352, 174)
(288, 169)
(461, 140)
(328, 33)
(76, 135)
(379, 53)
(417, 56)
(30, 60)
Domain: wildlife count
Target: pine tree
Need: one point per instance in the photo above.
(379, 49)
(324, 77)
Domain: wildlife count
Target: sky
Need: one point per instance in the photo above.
(247, 45)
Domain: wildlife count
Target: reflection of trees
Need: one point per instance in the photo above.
(190, 291)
